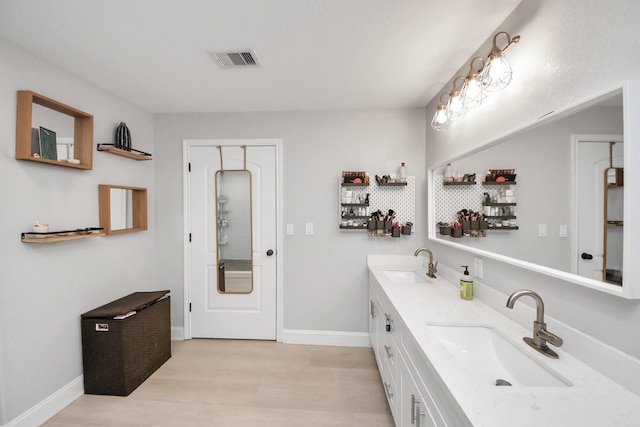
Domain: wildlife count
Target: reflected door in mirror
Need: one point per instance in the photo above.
(233, 231)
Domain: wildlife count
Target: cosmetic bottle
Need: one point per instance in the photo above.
(466, 284)
(403, 173)
(448, 173)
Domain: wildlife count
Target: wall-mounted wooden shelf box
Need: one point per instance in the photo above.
(137, 211)
(82, 135)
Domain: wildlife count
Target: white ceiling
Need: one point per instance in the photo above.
(315, 54)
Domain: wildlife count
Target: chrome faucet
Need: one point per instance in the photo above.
(432, 267)
(540, 334)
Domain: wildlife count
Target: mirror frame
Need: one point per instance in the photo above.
(630, 279)
(139, 208)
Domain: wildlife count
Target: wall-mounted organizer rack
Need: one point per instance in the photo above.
(61, 236)
(133, 154)
(355, 207)
(453, 196)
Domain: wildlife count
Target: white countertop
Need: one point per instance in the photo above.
(592, 400)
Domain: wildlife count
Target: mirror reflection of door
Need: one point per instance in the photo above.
(613, 224)
(233, 231)
(121, 209)
(593, 160)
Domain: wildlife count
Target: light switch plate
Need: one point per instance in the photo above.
(563, 231)
(308, 229)
(289, 229)
(542, 230)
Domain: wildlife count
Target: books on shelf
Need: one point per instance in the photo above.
(48, 147)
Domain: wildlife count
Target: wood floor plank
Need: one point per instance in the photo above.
(230, 383)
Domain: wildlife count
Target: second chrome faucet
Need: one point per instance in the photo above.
(540, 334)
(432, 270)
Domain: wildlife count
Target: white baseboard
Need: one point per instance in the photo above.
(50, 406)
(334, 338)
(177, 333)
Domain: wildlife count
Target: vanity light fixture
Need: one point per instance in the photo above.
(491, 75)
(472, 93)
(441, 120)
(497, 74)
(455, 108)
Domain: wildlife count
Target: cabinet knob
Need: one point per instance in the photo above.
(270, 252)
(586, 256)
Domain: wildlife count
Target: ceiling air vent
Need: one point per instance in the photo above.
(242, 59)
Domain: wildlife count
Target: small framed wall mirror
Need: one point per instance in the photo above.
(122, 209)
(233, 232)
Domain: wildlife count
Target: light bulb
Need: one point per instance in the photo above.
(441, 116)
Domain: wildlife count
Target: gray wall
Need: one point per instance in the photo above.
(570, 50)
(325, 276)
(45, 288)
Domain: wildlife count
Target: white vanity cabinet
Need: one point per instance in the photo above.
(414, 393)
(382, 330)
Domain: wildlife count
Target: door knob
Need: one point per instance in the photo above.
(586, 256)
(270, 252)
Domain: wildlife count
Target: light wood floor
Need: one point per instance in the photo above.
(231, 383)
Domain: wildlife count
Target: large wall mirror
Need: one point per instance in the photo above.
(123, 209)
(572, 193)
(233, 231)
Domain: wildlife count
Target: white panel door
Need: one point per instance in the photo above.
(232, 315)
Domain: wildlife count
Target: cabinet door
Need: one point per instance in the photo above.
(415, 402)
(373, 325)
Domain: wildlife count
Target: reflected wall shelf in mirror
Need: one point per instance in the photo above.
(123, 209)
(61, 236)
(133, 154)
(82, 130)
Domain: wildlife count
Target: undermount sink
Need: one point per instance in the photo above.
(491, 359)
(405, 276)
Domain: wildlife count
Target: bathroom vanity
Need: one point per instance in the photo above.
(445, 361)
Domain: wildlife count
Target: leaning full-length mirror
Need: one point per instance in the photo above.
(233, 231)
(568, 215)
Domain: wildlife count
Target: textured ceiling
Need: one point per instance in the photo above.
(315, 54)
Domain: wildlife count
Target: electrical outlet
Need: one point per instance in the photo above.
(478, 267)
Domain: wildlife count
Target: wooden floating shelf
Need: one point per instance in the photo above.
(351, 184)
(392, 184)
(498, 183)
(57, 238)
(498, 204)
(123, 153)
(459, 183)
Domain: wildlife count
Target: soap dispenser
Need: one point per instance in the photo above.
(466, 284)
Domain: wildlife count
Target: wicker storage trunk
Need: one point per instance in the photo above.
(124, 342)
